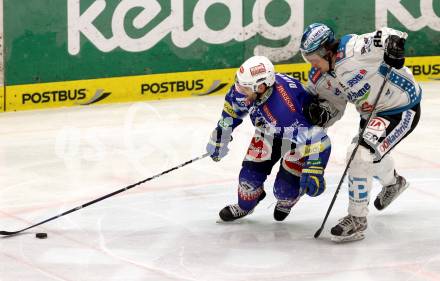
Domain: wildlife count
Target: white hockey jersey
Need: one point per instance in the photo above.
(358, 75)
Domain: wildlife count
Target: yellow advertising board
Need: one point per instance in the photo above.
(118, 89)
(424, 68)
(158, 86)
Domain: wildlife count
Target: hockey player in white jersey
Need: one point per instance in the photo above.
(352, 69)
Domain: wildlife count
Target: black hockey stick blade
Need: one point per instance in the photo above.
(8, 233)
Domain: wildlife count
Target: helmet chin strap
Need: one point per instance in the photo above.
(328, 58)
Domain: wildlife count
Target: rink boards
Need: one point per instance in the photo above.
(156, 86)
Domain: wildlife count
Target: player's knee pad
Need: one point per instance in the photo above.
(363, 159)
(286, 186)
(250, 187)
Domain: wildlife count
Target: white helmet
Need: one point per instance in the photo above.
(256, 71)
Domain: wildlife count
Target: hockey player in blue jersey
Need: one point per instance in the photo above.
(277, 105)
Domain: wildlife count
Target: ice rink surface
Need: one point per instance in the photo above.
(165, 229)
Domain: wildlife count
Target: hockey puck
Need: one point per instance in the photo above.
(41, 235)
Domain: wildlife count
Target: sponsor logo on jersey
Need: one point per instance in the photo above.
(377, 39)
(240, 103)
(247, 192)
(259, 69)
(225, 123)
(357, 190)
(355, 95)
(371, 137)
(366, 107)
(313, 149)
(345, 88)
(378, 124)
(397, 133)
(259, 150)
(227, 107)
(375, 130)
(269, 114)
(357, 78)
(285, 96)
(54, 96)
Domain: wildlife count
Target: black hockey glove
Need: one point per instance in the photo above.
(395, 51)
(317, 113)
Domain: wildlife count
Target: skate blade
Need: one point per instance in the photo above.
(351, 238)
(234, 221)
(405, 187)
(220, 221)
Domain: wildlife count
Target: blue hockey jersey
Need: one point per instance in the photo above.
(279, 110)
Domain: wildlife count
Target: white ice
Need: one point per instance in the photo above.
(54, 160)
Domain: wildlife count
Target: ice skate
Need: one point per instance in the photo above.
(282, 208)
(349, 228)
(233, 212)
(389, 193)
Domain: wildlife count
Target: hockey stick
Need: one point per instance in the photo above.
(104, 197)
(318, 232)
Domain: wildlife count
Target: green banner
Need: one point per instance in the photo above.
(63, 40)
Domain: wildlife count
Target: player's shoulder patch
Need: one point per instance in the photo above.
(341, 52)
(314, 75)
